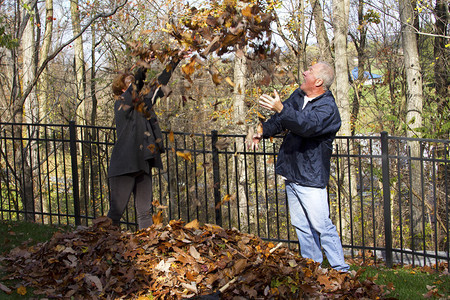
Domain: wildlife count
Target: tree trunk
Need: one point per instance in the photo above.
(44, 51)
(442, 80)
(43, 87)
(442, 64)
(31, 107)
(321, 32)
(31, 115)
(340, 23)
(239, 114)
(414, 100)
(361, 50)
(93, 120)
(79, 63)
(81, 101)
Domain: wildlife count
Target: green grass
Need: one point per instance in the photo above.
(408, 283)
(402, 282)
(14, 234)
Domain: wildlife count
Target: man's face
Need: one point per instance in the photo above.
(309, 79)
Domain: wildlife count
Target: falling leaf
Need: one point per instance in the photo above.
(229, 81)
(229, 197)
(212, 46)
(189, 69)
(216, 78)
(171, 137)
(158, 218)
(185, 154)
(222, 144)
(218, 205)
(152, 148)
(265, 80)
(247, 11)
(261, 117)
(157, 205)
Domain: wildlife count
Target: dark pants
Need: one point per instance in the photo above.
(121, 188)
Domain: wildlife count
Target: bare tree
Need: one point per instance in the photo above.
(414, 100)
(325, 53)
(340, 23)
(23, 101)
(442, 65)
(44, 51)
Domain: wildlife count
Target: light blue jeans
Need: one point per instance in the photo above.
(310, 215)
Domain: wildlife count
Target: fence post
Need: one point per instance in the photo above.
(216, 177)
(74, 162)
(386, 198)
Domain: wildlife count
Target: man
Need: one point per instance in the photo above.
(312, 119)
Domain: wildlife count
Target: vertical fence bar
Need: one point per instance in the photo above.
(361, 199)
(216, 177)
(75, 186)
(400, 210)
(236, 178)
(386, 198)
(446, 193)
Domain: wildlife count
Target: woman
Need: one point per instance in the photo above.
(139, 143)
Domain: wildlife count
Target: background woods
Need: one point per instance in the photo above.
(57, 68)
(57, 59)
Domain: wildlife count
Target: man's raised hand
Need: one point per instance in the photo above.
(273, 104)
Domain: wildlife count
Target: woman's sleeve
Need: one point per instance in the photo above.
(139, 78)
(167, 72)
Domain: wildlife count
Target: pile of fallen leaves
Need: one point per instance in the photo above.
(172, 262)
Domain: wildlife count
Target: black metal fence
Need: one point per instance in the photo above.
(388, 195)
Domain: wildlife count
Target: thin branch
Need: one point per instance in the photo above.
(58, 50)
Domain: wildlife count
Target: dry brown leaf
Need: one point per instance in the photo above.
(194, 253)
(216, 78)
(229, 81)
(21, 290)
(192, 225)
(222, 144)
(158, 218)
(5, 289)
(185, 155)
(181, 259)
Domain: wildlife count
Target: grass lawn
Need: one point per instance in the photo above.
(402, 282)
(410, 283)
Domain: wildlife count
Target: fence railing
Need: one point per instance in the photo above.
(388, 195)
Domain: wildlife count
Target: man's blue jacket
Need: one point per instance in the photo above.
(305, 153)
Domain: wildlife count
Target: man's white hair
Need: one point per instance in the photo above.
(326, 73)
